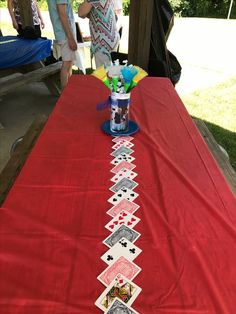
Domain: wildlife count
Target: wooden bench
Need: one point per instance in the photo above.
(48, 74)
(220, 157)
(18, 158)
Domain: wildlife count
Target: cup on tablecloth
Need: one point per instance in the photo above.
(119, 120)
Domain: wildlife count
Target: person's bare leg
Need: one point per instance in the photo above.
(66, 71)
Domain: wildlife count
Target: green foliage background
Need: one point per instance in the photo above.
(186, 8)
(203, 8)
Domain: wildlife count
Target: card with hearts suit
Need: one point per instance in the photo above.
(123, 218)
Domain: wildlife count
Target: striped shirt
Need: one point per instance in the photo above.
(102, 24)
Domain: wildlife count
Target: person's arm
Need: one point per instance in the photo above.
(66, 25)
(84, 9)
(39, 14)
(10, 9)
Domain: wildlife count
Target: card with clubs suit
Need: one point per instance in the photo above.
(123, 193)
(124, 204)
(121, 288)
(122, 157)
(124, 183)
(124, 173)
(123, 218)
(120, 266)
(122, 248)
(122, 231)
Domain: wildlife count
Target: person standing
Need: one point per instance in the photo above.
(119, 13)
(118, 8)
(102, 23)
(14, 11)
(62, 18)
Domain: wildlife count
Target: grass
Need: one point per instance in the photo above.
(7, 29)
(217, 107)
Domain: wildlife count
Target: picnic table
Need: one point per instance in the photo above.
(21, 63)
(53, 220)
(16, 51)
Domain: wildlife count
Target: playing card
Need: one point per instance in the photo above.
(122, 231)
(119, 307)
(121, 288)
(123, 193)
(124, 204)
(122, 139)
(123, 165)
(124, 183)
(123, 218)
(122, 143)
(122, 248)
(120, 266)
(124, 173)
(122, 150)
(121, 157)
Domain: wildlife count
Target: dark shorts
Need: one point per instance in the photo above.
(29, 32)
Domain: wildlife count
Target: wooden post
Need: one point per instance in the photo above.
(26, 13)
(140, 23)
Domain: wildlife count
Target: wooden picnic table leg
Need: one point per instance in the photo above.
(52, 82)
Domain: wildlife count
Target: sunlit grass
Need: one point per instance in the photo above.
(217, 107)
(216, 104)
(7, 29)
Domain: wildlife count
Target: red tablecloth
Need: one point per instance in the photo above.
(52, 223)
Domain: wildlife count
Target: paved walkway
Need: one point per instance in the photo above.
(206, 49)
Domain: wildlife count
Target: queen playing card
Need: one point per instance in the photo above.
(121, 288)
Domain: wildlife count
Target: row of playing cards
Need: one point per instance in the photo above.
(120, 290)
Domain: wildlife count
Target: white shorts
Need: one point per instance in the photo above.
(66, 53)
(62, 49)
